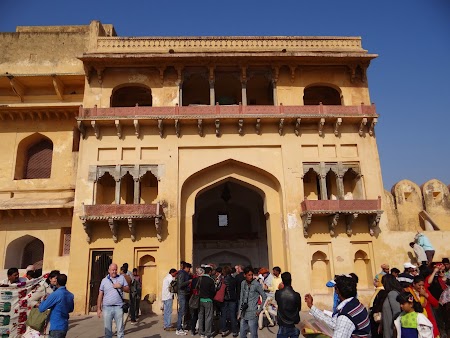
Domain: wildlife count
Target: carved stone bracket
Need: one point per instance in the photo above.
(96, 129)
(177, 127)
(217, 124)
(258, 126)
(100, 71)
(280, 127)
(292, 68)
(113, 226)
(158, 228)
(200, 127)
(119, 128)
(337, 124)
(161, 128)
(372, 126)
(88, 229)
(82, 129)
(241, 127)
(332, 223)
(306, 219)
(132, 227)
(320, 126)
(374, 221)
(362, 125)
(297, 126)
(349, 219)
(137, 129)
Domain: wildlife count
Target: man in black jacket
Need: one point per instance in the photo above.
(207, 291)
(289, 307)
(183, 280)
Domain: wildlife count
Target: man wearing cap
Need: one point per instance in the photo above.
(406, 277)
(420, 253)
(377, 279)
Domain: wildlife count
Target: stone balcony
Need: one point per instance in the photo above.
(333, 209)
(285, 118)
(114, 213)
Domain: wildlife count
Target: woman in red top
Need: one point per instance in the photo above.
(425, 298)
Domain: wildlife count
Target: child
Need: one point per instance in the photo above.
(412, 323)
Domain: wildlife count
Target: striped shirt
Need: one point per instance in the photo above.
(110, 295)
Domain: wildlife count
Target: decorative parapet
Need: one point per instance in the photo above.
(113, 213)
(350, 209)
(228, 44)
(321, 111)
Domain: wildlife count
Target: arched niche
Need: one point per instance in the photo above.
(24, 251)
(227, 89)
(259, 90)
(311, 185)
(127, 189)
(130, 95)
(105, 189)
(332, 189)
(316, 94)
(352, 185)
(34, 157)
(149, 188)
(149, 276)
(196, 90)
(320, 272)
(363, 269)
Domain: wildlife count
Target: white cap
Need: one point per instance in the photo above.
(408, 265)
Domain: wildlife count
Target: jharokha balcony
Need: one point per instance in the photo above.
(333, 209)
(115, 213)
(285, 118)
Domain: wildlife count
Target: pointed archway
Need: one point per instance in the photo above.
(24, 251)
(201, 214)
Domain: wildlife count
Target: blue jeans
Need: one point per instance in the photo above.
(288, 332)
(181, 311)
(168, 312)
(228, 311)
(57, 334)
(111, 313)
(249, 325)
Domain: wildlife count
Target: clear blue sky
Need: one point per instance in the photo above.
(409, 81)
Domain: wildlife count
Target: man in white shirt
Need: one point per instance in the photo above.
(13, 277)
(351, 317)
(167, 299)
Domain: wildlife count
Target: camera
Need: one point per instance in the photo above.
(244, 307)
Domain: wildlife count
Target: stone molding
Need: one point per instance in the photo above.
(226, 44)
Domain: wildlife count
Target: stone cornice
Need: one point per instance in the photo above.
(226, 44)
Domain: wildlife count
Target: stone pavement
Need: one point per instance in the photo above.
(149, 326)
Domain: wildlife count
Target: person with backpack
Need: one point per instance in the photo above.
(167, 298)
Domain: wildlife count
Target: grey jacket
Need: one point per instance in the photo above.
(390, 311)
(250, 295)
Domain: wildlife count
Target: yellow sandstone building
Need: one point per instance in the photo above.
(232, 150)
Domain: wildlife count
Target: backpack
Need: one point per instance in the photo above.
(173, 286)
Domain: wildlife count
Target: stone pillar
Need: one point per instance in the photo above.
(275, 98)
(244, 92)
(323, 187)
(180, 94)
(137, 191)
(117, 195)
(212, 94)
(340, 186)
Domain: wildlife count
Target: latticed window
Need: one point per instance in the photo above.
(66, 237)
(38, 163)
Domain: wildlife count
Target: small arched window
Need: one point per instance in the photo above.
(315, 95)
(38, 162)
(131, 96)
(34, 157)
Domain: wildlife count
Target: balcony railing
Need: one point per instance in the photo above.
(113, 213)
(228, 111)
(334, 209)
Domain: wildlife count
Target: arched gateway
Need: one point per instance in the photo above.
(231, 213)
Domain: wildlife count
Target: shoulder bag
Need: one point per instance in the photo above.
(194, 301)
(220, 294)
(125, 305)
